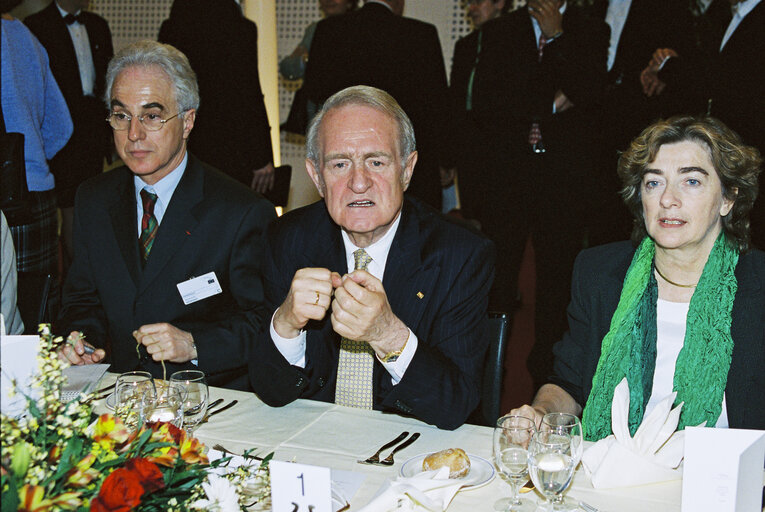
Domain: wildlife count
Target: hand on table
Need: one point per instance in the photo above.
(74, 351)
(361, 311)
(534, 413)
(165, 342)
(309, 298)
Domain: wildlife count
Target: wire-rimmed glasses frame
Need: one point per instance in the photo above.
(152, 122)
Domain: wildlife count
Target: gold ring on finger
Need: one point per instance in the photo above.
(316, 302)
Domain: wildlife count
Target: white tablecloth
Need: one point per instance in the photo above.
(334, 436)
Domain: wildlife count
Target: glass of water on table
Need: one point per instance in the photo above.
(551, 466)
(512, 436)
(196, 399)
(129, 391)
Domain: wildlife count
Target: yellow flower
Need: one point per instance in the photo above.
(193, 451)
(82, 474)
(110, 431)
(32, 499)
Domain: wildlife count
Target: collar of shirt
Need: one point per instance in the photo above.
(380, 3)
(616, 17)
(164, 188)
(740, 10)
(535, 23)
(64, 13)
(378, 251)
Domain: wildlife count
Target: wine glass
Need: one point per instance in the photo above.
(197, 396)
(511, 442)
(569, 425)
(128, 392)
(166, 405)
(551, 466)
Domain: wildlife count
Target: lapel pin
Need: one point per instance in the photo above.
(420, 295)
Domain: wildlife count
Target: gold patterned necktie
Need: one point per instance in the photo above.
(355, 366)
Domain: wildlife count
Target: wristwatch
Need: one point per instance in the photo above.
(393, 356)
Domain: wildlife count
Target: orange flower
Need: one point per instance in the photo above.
(110, 431)
(193, 451)
(32, 499)
(82, 474)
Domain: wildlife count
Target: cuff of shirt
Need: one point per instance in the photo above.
(293, 349)
(397, 368)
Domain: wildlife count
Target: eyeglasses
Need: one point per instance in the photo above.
(151, 122)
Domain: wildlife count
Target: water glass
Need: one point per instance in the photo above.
(551, 466)
(569, 425)
(512, 436)
(166, 405)
(197, 396)
(128, 392)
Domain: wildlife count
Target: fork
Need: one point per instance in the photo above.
(587, 507)
(388, 461)
(375, 459)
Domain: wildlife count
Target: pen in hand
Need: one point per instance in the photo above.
(86, 348)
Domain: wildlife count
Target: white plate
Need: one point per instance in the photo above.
(481, 470)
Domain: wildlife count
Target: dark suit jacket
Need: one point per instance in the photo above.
(231, 131)
(514, 88)
(402, 56)
(83, 155)
(211, 224)
(596, 288)
(450, 266)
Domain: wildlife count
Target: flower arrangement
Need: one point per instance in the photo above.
(56, 458)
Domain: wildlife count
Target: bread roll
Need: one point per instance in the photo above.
(455, 458)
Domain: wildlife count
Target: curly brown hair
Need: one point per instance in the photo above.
(737, 165)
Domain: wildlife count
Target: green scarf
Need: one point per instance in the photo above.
(629, 348)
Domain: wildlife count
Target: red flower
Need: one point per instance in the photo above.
(120, 492)
(148, 473)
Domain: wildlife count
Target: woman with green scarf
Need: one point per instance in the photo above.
(682, 307)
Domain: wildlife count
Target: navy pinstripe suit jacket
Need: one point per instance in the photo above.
(451, 267)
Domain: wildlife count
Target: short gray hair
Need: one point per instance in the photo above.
(168, 58)
(366, 96)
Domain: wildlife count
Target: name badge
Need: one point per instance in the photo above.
(198, 288)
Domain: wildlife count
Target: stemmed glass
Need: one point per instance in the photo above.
(166, 405)
(128, 393)
(551, 466)
(197, 396)
(568, 425)
(511, 442)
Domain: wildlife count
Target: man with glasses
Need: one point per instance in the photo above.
(166, 269)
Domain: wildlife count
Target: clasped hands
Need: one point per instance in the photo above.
(360, 308)
(163, 341)
(649, 77)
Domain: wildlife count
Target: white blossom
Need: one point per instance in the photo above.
(221, 495)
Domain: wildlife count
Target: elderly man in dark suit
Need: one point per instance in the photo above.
(377, 301)
(376, 46)
(79, 46)
(167, 250)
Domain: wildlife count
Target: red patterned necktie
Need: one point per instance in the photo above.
(535, 134)
(149, 224)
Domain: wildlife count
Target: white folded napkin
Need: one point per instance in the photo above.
(653, 455)
(429, 490)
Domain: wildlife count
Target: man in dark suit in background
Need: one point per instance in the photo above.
(79, 46)
(376, 46)
(465, 150)
(167, 250)
(231, 132)
(540, 82)
(401, 330)
(726, 79)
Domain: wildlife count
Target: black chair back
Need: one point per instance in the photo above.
(497, 328)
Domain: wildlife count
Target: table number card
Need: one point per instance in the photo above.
(300, 488)
(723, 469)
(18, 360)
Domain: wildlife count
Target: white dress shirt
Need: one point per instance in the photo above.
(164, 188)
(79, 35)
(740, 10)
(293, 349)
(616, 17)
